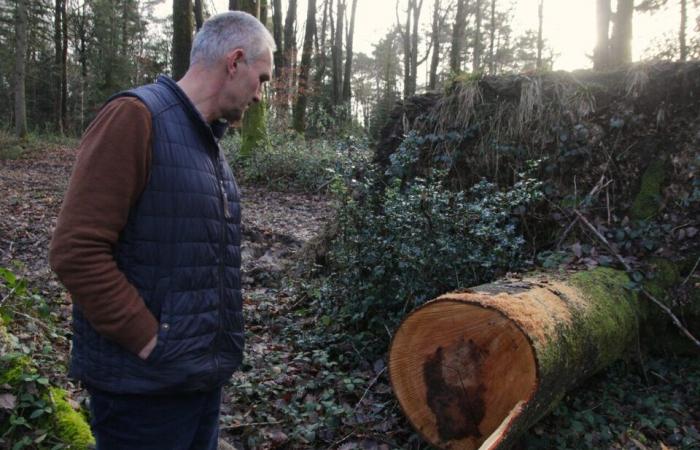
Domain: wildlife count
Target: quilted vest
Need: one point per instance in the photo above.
(181, 250)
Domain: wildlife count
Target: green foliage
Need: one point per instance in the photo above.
(12, 147)
(653, 406)
(291, 163)
(400, 246)
(646, 203)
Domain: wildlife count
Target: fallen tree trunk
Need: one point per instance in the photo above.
(474, 369)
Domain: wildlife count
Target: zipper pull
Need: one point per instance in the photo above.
(227, 210)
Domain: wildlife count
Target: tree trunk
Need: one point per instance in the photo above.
(477, 39)
(435, 58)
(347, 78)
(337, 54)
(621, 42)
(492, 39)
(64, 67)
(417, 5)
(299, 112)
(601, 54)
(458, 33)
(540, 41)
(182, 37)
(58, 63)
(474, 369)
(277, 31)
(290, 42)
(198, 14)
(681, 32)
(20, 69)
(254, 126)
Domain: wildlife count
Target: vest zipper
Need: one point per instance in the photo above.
(222, 254)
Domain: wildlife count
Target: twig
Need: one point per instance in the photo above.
(251, 424)
(566, 232)
(367, 390)
(691, 272)
(628, 268)
(9, 294)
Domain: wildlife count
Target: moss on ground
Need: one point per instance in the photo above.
(647, 203)
(70, 425)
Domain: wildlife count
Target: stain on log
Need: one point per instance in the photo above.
(453, 392)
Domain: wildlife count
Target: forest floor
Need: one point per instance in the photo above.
(300, 387)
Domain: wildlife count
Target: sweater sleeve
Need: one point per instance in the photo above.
(109, 176)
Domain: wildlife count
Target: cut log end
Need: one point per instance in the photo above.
(477, 370)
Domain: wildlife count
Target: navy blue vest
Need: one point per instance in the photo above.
(181, 250)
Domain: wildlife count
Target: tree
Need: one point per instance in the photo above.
(299, 111)
(601, 54)
(540, 42)
(435, 59)
(254, 127)
(182, 36)
(621, 39)
(477, 39)
(347, 77)
(337, 54)
(277, 31)
(20, 53)
(198, 14)
(458, 33)
(681, 31)
(409, 34)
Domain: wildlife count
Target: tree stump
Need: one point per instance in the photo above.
(474, 369)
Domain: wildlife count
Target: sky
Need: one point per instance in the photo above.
(569, 25)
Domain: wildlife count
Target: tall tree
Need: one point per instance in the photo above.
(492, 39)
(409, 34)
(337, 55)
(198, 14)
(182, 36)
(435, 36)
(621, 40)
(254, 127)
(476, 62)
(681, 31)
(459, 30)
(277, 32)
(299, 111)
(347, 78)
(601, 54)
(20, 55)
(540, 42)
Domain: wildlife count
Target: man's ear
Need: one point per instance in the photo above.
(233, 59)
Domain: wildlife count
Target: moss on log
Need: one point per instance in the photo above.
(70, 425)
(647, 202)
(474, 369)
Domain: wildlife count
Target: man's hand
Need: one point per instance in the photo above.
(143, 354)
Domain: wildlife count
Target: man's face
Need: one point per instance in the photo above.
(246, 85)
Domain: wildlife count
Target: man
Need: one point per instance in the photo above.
(148, 244)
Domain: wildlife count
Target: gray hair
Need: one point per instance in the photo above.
(227, 31)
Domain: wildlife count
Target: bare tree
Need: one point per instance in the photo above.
(299, 112)
(458, 33)
(492, 39)
(182, 36)
(621, 40)
(347, 78)
(435, 60)
(20, 69)
(540, 41)
(601, 54)
(476, 63)
(277, 31)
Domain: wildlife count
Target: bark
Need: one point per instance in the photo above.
(475, 369)
(681, 33)
(492, 39)
(277, 31)
(458, 33)
(435, 59)
(540, 42)
(621, 42)
(321, 45)
(299, 112)
(417, 6)
(64, 67)
(601, 54)
(347, 78)
(406, 39)
(20, 69)
(58, 61)
(198, 14)
(477, 39)
(337, 54)
(182, 36)
(290, 43)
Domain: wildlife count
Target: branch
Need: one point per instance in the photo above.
(628, 268)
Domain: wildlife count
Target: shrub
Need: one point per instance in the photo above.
(400, 246)
(291, 163)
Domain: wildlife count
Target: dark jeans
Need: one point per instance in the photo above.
(155, 422)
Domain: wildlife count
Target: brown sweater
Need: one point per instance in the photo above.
(109, 175)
